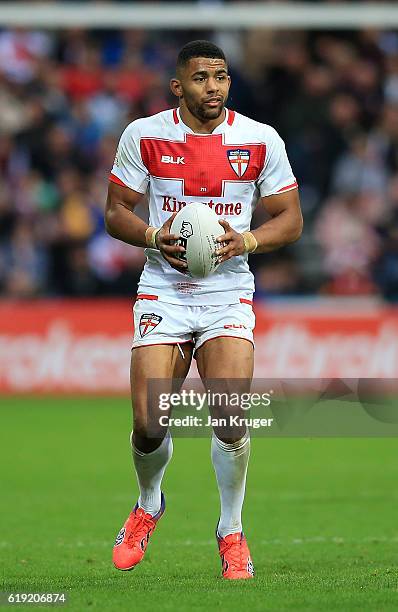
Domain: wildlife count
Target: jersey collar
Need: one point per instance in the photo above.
(229, 119)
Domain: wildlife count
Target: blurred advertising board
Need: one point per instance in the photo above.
(83, 346)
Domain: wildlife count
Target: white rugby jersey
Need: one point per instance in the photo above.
(229, 169)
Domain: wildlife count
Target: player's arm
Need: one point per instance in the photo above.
(284, 227)
(120, 220)
(122, 223)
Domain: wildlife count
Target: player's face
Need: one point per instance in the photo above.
(203, 85)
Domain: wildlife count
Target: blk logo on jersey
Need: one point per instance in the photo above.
(148, 322)
(239, 160)
(169, 159)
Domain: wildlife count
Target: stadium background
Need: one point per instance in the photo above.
(65, 97)
(326, 306)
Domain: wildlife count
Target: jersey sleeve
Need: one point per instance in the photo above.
(277, 175)
(128, 168)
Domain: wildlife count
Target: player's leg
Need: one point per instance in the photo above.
(156, 360)
(152, 446)
(225, 365)
(151, 442)
(230, 359)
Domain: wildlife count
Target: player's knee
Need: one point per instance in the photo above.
(142, 430)
(147, 431)
(144, 442)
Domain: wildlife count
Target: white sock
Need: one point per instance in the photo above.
(230, 465)
(150, 468)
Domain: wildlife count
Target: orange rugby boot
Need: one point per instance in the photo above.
(132, 540)
(235, 557)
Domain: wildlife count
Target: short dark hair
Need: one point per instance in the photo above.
(199, 48)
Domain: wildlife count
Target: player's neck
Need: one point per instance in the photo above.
(198, 126)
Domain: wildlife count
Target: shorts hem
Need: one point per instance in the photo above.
(139, 344)
(176, 301)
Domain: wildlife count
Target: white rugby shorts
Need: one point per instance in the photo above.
(157, 322)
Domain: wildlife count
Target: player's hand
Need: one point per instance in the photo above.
(235, 244)
(168, 247)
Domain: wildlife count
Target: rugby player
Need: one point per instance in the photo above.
(200, 151)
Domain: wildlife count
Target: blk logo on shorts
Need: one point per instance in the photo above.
(148, 322)
(239, 160)
(235, 326)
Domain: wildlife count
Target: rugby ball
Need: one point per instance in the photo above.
(197, 227)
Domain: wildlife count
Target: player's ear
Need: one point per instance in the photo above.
(175, 86)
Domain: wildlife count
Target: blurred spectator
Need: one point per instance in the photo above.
(19, 50)
(83, 78)
(359, 170)
(25, 262)
(350, 245)
(281, 276)
(386, 265)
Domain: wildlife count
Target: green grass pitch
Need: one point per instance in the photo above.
(320, 517)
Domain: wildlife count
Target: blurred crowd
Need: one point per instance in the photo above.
(66, 96)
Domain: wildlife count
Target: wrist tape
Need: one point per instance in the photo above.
(150, 237)
(250, 242)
